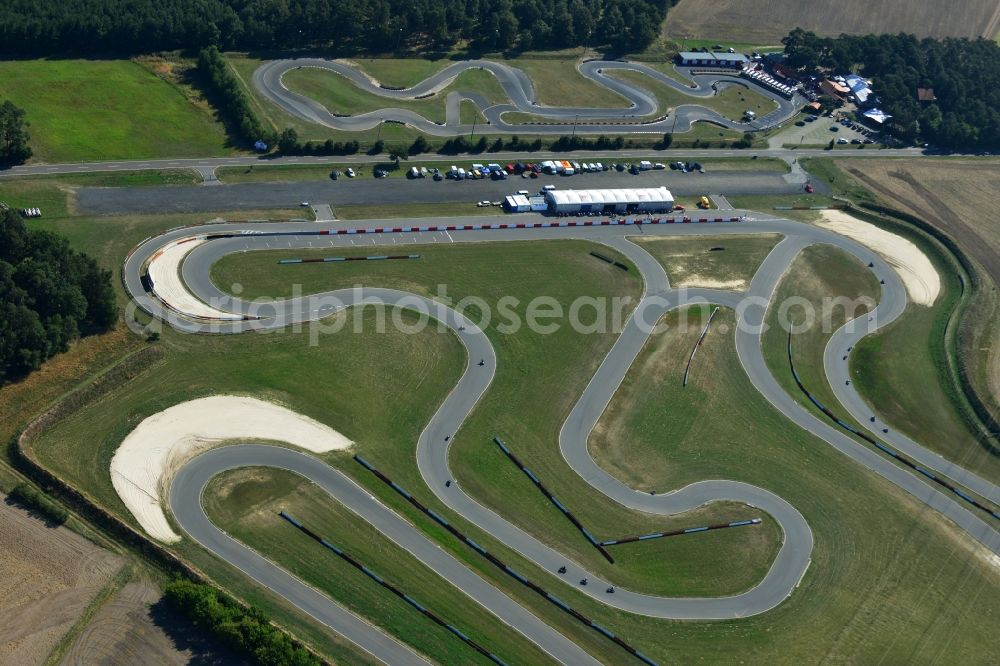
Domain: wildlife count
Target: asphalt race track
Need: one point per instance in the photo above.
(794, 555)
(637, 117)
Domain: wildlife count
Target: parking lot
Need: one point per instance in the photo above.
(820, 131)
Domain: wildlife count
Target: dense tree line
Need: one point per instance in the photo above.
(14, 136)
(230, 98)
(49, 296)
(246, 630)
(142, 26)
(965, 76)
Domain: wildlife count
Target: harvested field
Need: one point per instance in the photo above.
(136, 627)
(954, 195)
(767, 21)
(50, 575)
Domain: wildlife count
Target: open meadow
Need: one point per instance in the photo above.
(88, 110)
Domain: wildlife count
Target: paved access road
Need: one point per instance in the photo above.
(432, 448)
(211, 163)
(637, 117)
(404, 191)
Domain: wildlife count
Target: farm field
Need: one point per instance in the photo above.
(50, 577)
(84, 110)
(767, 21)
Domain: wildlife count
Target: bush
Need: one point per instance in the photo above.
(245, 629)
(40, 502)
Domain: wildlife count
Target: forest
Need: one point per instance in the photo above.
(32, 28)
(964, 74)
(49, 296)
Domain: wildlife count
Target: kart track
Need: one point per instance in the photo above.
(793, 557)
(638, 117)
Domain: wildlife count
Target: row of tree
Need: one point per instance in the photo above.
(49, 296)
(38, 501)
(246, 630)
(141, 26)
(14, 137)
(230, 98)
(964, 74)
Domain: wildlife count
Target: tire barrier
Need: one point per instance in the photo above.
(701, 339)
(995, 513)
(324, 260)
(619, 222)
(602, 257)
(497, 562)
(622, 266)
(689, 530)
(392, 588)
(552, 498)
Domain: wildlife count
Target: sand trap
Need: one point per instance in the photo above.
(160, 444)
(164, 269)
(695, 280)
(923, 284)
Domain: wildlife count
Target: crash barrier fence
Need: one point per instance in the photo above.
(392, 588)
(497, 562)
(944, 483)
(325, 260)
(701, 339)
(552, 498)
(611, 542)
(620, 222)
(689, 530)
(616, 264)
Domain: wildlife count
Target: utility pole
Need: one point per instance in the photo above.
(575, 119)
(474, 126)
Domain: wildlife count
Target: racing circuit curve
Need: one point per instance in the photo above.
(658, 298)
(636, 118)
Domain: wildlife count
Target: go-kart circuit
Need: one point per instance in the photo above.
(638, 117)
(182, 294)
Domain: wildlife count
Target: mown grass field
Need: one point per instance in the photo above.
(767, 21)
(245, 503)
(875, 590)
(819, 273)
(387, 433)
(533, 368)
(731, 102)
(727, 262)
(555, 80)
(83, 110)
(341, 96)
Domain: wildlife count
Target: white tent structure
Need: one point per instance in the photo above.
(623, 200)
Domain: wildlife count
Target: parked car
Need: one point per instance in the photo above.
(484, 203)
(350, 173)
